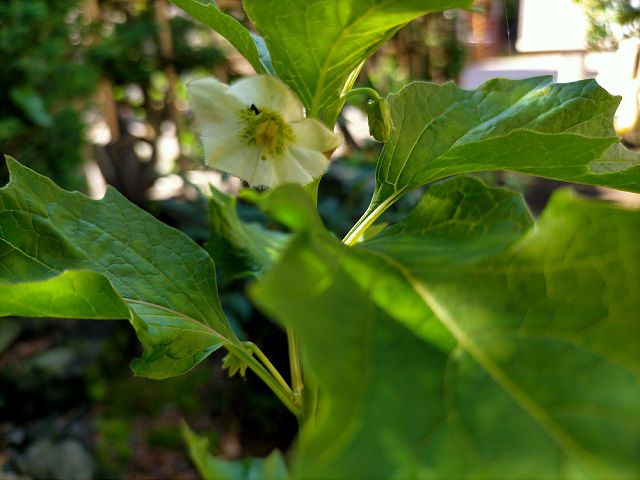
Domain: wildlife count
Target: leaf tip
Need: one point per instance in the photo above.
(12, 163)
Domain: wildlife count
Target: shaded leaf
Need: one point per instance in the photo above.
(239, 248)
(467, 343)
(211, 468)
(251, 46)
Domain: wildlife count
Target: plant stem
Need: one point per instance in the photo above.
(294, 362)
(284, 394)
(367, 219)
(369, 92)
(267, 363)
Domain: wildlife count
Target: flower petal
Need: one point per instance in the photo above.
(219, 107)
(211, 101)
(264, 174)
(300, 165)
(266, 92)
(220, 129)
(230, 154)
(314, 163)
(288, 170)
(312, 134)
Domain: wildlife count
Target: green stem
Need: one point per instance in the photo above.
(294, 362)
(284, 394)
(270, 367)
(312, 189)
(369, 92)
(367, 219)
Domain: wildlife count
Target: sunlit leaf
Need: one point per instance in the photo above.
(558, 131)
(62, 254)
(72, 294)
(465, 342)
(319, 46)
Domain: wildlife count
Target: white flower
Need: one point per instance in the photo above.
(255, 129)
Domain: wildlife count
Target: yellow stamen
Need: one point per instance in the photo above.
(268, 130)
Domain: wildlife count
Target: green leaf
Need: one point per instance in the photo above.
(251, 46)
(559, 131)
(467, 343)
(211, 468)
(72, 294)
(464, 218)
(239, 248)
(123, 262)
(319, 46)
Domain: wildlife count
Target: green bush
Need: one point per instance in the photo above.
(44, 80)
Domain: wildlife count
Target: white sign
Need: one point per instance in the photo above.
(551, 26)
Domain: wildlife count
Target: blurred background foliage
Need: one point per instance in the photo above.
(40, 116)
(98, 80)
(611, 21)
(92, 91)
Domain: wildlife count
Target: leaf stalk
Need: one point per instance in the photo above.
(368, 218)
(294, 362)
(278, 386)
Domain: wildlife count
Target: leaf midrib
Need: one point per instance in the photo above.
(460, 141)
(22, 252)
(317, 97)
(323, 70)
(522, 399)
(173, 312)
(106, 273)
(45, 214)
(178, 314)
(320, 86)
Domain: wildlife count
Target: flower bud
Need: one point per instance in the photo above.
(379, 118)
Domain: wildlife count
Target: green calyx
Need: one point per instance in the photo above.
(234, 365)
(268, 130)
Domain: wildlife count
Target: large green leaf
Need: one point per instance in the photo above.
(319, 46)
(559, 131)
(212, 468)
(123, 262)
(467, 343)
(251, 46)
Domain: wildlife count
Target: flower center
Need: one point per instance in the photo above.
(267, 130)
